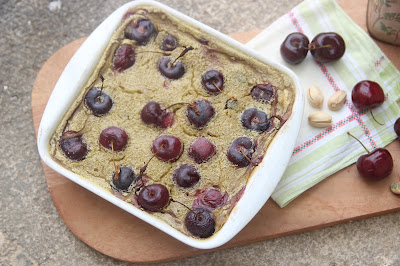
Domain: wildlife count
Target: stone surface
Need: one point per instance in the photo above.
(31, 231)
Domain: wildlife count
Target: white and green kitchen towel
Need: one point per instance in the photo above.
(321, 152)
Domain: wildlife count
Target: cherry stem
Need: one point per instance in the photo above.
(300, 45)
(215, 85)
(190, 105)
(247, 158)
(187, 49)
(312, 46)
(372, 114)
(102, 84)
(348, 133)
(116, 176)
(198, 216)
(143, 169)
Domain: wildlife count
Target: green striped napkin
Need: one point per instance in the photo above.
(321, 152)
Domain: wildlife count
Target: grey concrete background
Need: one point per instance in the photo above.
(31, 231)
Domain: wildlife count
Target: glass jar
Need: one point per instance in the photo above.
(383, 20)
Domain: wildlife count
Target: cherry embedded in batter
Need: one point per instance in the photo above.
(173, 70)
(98, 101)
(123, 178)
(169, 43)
(186, 176)
(154, 197)
(140, 31)
(153, 114)
(255, 119)
(205, 111)
(200, 222)
(170, 70)
(124, 57)
(213, 81)
(241, 151)
(265, 93)
(167, 148)
(73, 145)
(113, 138)
(210, 199)
(202, 150)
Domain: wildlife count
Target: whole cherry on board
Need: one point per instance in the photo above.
(397, 127)
(374, 165)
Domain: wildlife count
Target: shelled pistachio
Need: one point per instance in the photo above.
(336, 101)
(320, 119)
(315, 97)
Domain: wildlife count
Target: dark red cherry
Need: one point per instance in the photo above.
(113, 138)
(374, 165)
(202, 150)
(397, 127)
(186, 176)
(167, 148)
(169, 43)
(255, 119)
(211, 199)
(241, 151)
(294, 48)
(170, 71)
(266, 93)
(123, 179)
(124, 57)
(153, 114)
(200, 222)
(153, 197)
(141, 31)
(213, 81)
(327, 47)
(366, 94)
(98, 101)
(200, 117)
(73, 146)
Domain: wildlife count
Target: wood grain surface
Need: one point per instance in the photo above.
(340, 198)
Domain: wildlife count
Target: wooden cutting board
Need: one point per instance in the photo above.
(340, 198)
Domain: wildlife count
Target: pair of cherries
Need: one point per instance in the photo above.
(326, 47)
(377, 164)
(200, 220)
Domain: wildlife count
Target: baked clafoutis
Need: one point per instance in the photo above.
(173, 121)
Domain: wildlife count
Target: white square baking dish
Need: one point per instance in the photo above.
(260, 185)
